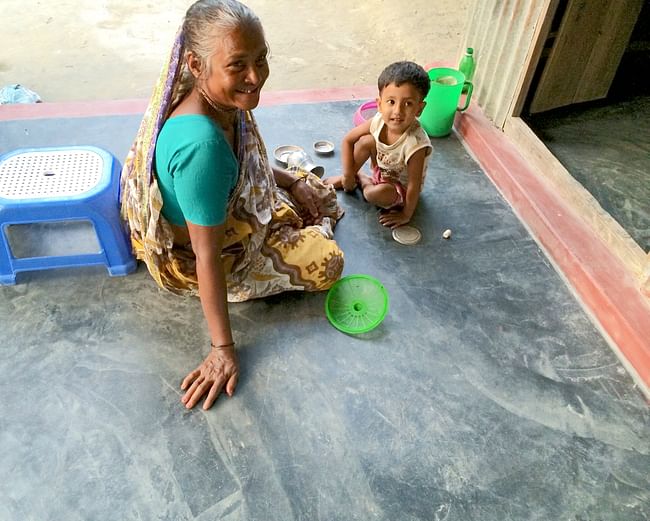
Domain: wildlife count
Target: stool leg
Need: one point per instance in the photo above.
(116, 245)
(7, 273)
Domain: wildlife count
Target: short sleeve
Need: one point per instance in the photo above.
(417, 140)
(203, 177)
(376, 124)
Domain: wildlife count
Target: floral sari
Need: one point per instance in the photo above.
(267, 247)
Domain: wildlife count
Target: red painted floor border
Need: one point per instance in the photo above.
(601, 282)
(80, 109)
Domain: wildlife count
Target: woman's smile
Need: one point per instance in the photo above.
(239, 69)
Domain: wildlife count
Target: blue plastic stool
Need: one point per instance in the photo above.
(76, 183)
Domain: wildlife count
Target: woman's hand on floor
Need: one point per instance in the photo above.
(219, 369)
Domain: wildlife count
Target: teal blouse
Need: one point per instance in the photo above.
(196, 169)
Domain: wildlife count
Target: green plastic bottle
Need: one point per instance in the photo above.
(467, 66)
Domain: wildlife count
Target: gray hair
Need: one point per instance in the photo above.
(204, 22)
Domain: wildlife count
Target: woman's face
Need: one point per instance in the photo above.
(239, 68)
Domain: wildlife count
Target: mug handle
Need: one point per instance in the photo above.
(468, 97)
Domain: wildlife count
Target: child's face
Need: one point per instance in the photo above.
(399, 106)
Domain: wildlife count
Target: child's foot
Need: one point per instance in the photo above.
(363, 180)
(335, 181)
(338, 182)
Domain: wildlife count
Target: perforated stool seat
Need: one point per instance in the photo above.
(57, 184)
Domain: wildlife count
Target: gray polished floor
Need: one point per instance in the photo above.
(606, 147)
(486, 394)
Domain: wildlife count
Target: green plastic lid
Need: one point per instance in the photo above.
(356, 304)
(470, 50)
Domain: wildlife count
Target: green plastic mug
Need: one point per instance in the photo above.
(437, 118)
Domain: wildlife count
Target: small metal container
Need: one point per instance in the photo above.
(301, 160)
(323, 147)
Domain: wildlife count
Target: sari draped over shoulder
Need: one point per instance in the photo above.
(267, 247)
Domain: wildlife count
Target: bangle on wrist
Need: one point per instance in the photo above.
(229, 344)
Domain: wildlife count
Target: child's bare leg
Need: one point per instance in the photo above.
(382, 195)
(364, 149)
(337, 180)
(364, 180)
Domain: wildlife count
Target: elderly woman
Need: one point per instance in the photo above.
(206, 211)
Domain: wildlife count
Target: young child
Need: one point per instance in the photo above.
(394, 142)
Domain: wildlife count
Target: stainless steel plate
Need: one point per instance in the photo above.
(282, 152)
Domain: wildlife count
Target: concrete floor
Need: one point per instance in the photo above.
(606, 147)
(486, 394)
(605, 144)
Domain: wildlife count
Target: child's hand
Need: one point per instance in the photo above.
(393, 219)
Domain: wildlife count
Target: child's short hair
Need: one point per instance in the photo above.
(405, 72)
